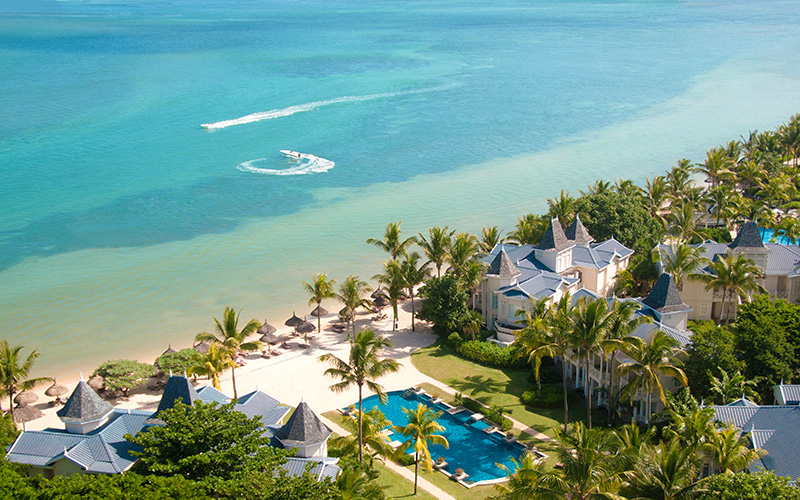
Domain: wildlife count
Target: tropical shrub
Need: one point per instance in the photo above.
(445, 304)
(552, 396)
(489, 353)
(179, 362)
(123, 374)
(748, 486)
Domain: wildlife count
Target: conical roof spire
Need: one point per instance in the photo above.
(554, 238)
(84, 405)
(502, 266)
(664, 296)
(748, 238)
(304, 428)
(578, 233)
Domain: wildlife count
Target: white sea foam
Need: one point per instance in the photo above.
(300, 108)
(307, 164)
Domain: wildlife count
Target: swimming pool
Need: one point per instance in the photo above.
(470, 449)
(766, 236)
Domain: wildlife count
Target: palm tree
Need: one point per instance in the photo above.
(528, 230)
(627, 188)
(562, 208)
(599, 187)
(319, 289)
(666, 471)
(436, 246)
(357, 484)
(227, 333)
(547, 336)
(679, 179)
(789, 228)
(14, 372)
(693, 427)
(655, 196)
(622, 322)
(391, 241)
(682, 260)
(528, 480)
(462, 251)
(590, 320)
(352, 294)
(394, 283)
(413, 275)
(593, 467)
(776, 188)
(472, 278)
(736, 275)
(650, 360)
(682, 221)
(717, 167)
(732, 387)
(215, 361)
(730, 451)
(373, 427)
(422, 428)
(490, 237)
(720, 198)
(362, 368)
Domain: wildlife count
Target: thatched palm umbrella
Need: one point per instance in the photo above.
(267, 329)
(293, 322)
(319, 312)
(345, 315)
(305, 328)
(97, 383)
(202, 347)
(381, 301)
(379, 292)
(26, 398)
(25, 413)
(56, 391)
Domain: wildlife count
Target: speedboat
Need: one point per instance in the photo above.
(292, 154)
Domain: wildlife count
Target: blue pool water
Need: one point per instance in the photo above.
(470, 448)
(766, 236)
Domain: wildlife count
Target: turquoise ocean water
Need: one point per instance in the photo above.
(125, 225)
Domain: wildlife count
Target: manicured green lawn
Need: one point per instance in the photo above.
(400, 487)
(501, 386)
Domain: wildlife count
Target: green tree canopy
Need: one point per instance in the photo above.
(179, 362)
(748, 486)
(445, 304)
(123, 374)
(712, 348)
(205, 441)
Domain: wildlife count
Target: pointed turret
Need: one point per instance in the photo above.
(577, 232)
(178, 386)
(554, 238)
(502, 266)
(306, 432)
(748, 239)
(84, 411)
(664, 297)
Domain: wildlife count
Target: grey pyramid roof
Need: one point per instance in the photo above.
(84, 405)
(554, 238)
(749, 237)
(304, 428)
(502, 266)
(664, 296)
(177, 386)
(577, 232)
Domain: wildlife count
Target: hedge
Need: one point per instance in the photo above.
(552, 397)
(487, 353)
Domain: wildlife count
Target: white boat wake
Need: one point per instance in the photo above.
(300, 108)
(305, 164)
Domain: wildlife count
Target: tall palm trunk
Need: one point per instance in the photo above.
(413, 312)
(610, 402)
(11, 403)
(360, 431)
(394, 320)
(649, 404)
(319, 318)
(233, 379)
(416, 470)
(588, 393)
(564, 384)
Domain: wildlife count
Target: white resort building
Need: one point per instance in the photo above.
(779, 263)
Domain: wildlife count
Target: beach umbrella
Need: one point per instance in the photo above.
(25, 413)
(345, 314)
(267, 329)
(25, 398)
(269, 338)
(169, 350)
(305, 328)
(381, 302)
(319, 311)
(202, 347)
(97, 383)
(293, 321)
(56, 391)
(379, 292)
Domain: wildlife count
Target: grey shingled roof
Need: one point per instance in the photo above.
(84, 405)
(749, 237)
(177, 387)
(317, 468)
(554, 238)
(664, 296)
(209, 394)
(304, 428)
(502, 266)
(577, 232)
(103, 451)
(775, 429)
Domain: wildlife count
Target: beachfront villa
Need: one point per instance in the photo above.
(92, 439)
(779, 263)
(563, 261)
